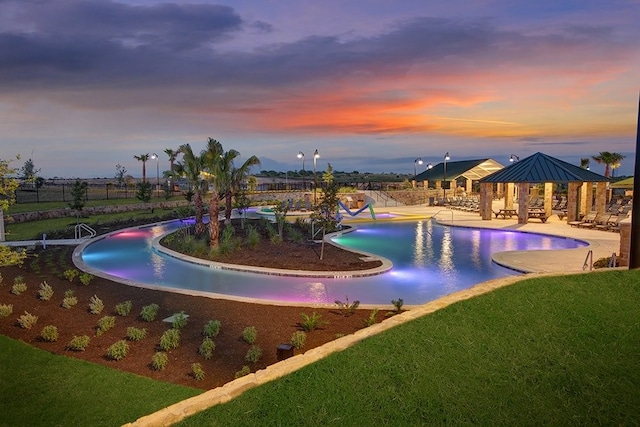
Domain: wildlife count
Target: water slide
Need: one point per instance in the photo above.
(368, 204)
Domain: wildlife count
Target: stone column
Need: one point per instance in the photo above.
(523, 202)
(548, 195)
(508, 196)
(601, 196)
(573, 210)
(589, 196)
(486, 200)
(425, 183)
(469, 186)
(625, 239)
(439, 185)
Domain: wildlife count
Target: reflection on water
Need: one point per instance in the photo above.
(429, 261)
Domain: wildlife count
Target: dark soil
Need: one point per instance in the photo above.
(274, 324)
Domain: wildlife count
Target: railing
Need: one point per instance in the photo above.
(613, 261)
(84, 227)
(444, 210)
(588, 261)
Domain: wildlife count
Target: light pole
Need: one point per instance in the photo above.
(157, 159)
(316, 156)
(301, 156)
(444, 182)
(415, 173)
(514, 158)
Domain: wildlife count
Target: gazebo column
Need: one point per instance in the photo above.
(508, 196)
(425, 183)
(438, 185)
(523, 202)
(548, 195)
(601, 196)
(586, 198)
(468, 186)
(486, 200)
(414, 184)
(573, 210)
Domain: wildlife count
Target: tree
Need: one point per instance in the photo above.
(144, 189)
(173, 156)
(191, 168)
(234, 183)
(143, 158)
(325, 212)
(8, 186)
(78, 195)
(611, 161)
(215, 162)
(121, 172)
(29, 172)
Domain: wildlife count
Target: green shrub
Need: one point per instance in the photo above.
(79, 343)
(1, 279)
(95, 305)
(71, 274)
(149, 312)
(397, 306)
(69, 293)
(179, 320)
(159, 361)
(372, 318)
(250, 334)
(197, 371)
(27, 320)
(242, 372)
(18, 288)
(69, 301)
(104, 324)
(117, 350)
(123, 309)
(298, 339)
(136, 334)
(86, 278)
(170, 339)
(228, 243)
(206, 348)
(6, 310)
(49, 333)
(45, 292)
(311, 322)
(347, 308)
(253, 354)
(18, 279)
(253, 237)
(212, 328)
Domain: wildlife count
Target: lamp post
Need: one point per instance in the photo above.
(316, 156)
(157, 159)
(415, 173)
(301, 156)
(514, 158)
(444, 181)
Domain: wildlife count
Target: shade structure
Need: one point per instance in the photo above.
(626, 183)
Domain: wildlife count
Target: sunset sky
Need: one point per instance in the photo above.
(373, 85)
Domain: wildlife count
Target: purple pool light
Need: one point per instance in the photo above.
(429, 261)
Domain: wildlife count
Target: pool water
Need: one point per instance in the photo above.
(429, 261)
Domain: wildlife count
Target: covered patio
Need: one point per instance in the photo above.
(542, 169)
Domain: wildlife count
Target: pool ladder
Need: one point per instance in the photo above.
(588, 261)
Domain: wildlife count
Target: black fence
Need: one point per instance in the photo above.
(62, 193)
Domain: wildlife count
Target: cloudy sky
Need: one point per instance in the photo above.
(372, 85)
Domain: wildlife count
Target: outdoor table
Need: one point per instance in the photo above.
(504, 213)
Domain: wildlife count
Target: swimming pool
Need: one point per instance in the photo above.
(430, 261)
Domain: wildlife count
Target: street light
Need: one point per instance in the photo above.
(301, 156)
(444, 182)
(157, 159)
(416, 161)
(514, 158)
(316, 156)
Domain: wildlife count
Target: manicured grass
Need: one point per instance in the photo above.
(45, 206)
(546, 351)
(38, 388)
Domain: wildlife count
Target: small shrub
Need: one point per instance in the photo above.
(27, 320)
(18, 279)
(206, 348)
(136, 334)
(18, 288)
(212, 328)
(242, 372)
(253, 354)
(372, 318)
(79, 343)
(123, 309)
(338, 335)
(1, 279)
(228, 243)
(311, 322)
(71, 274)
(6, 310)
(170, 339)
(86, 278)
(298, 339)
(397, 306)
(250, 334)
(197, 371)
(179, 320)
(49, 333)
(104, 324)
(253, 237)
(45, 292)
(69, 301)
(69, 293)
(118, 350)
(95, 305)
(159, 361)
(149, 312)
(347, 308)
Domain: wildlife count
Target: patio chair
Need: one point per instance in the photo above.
(600, 219)
(590, 217)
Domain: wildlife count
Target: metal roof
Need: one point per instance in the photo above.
(625, 183)
(471, 169)
(540, 168)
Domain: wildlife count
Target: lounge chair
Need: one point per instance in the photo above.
(600, 219)
(590, 217)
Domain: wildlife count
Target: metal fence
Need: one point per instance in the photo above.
(62, 193)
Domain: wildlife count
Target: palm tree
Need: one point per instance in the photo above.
(237, 177)
(143, 158)
(611, 161)
(214, 159)
(191, 168)
(173, 155)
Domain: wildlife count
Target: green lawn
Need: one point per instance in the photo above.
(546, 351)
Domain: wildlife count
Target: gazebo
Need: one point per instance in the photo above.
(540, 168)
(471, 170)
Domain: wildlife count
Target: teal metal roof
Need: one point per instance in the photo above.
(540, 168)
